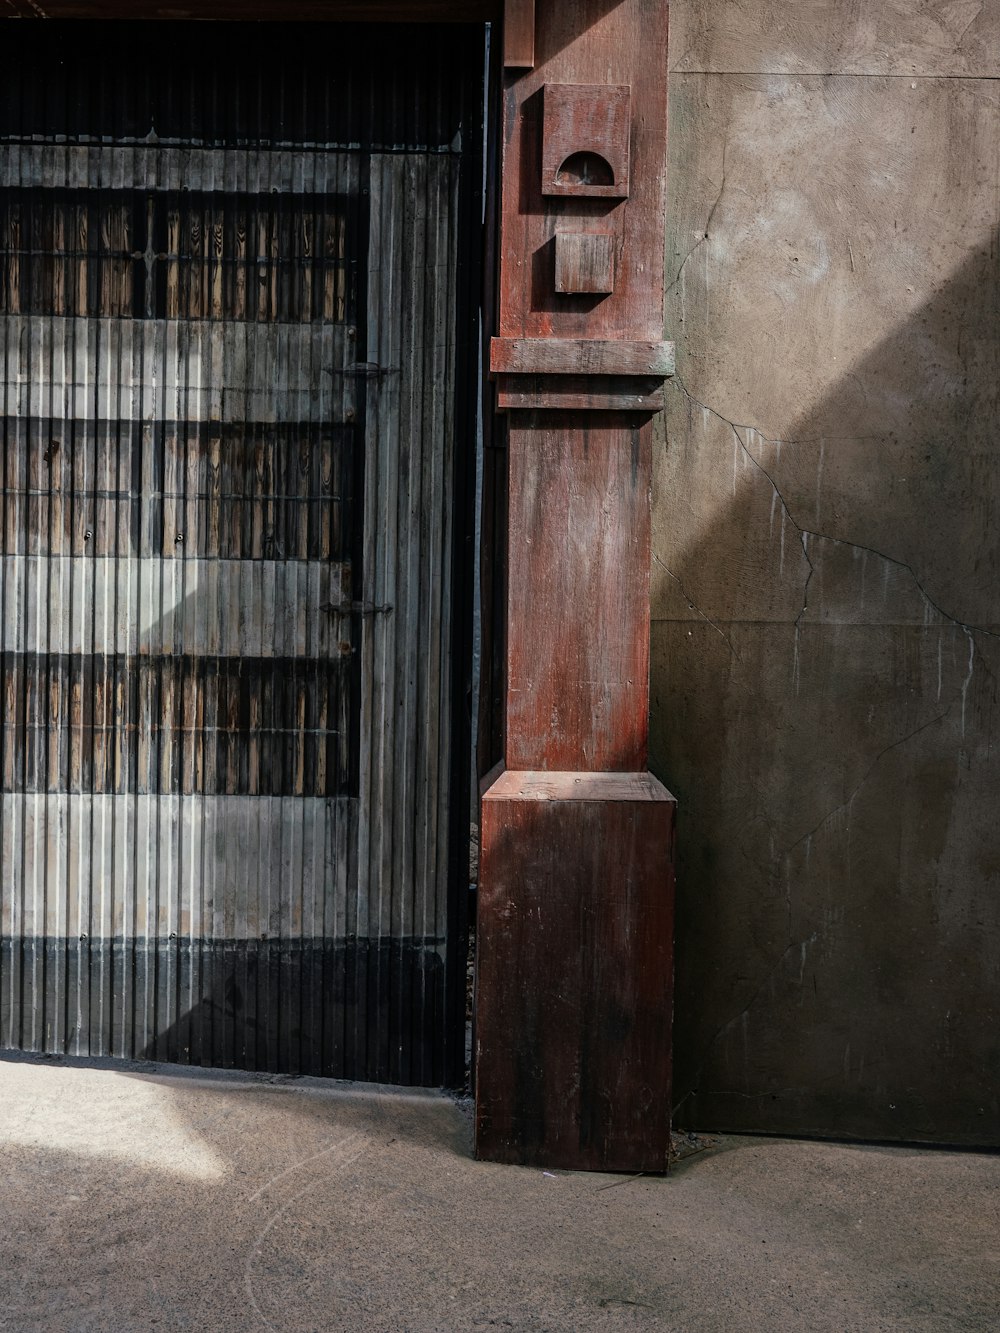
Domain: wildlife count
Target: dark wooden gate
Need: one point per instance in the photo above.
(231, 294)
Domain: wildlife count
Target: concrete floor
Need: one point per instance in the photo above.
(134, 1200)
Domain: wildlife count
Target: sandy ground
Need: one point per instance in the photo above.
(146, 1198)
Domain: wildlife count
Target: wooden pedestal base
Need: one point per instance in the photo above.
(574, 971)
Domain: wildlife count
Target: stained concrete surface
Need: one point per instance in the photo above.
(958, 38)
(825, 659)
(144, 1197)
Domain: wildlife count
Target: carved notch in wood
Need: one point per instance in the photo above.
(585, 140)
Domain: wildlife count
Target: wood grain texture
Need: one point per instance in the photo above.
(519, 34)
(547, 785)
(181, 370)
(343, 11)
(580, 393)
(585, 140)
(588, 42)
(580, 356)
(585, 262)
(578, 581)
(226, 790)
(576, 886)
(574, 965)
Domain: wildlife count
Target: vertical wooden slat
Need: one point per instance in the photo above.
(519, 34)
(192, 874)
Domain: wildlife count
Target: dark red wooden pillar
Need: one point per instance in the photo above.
(576, 877)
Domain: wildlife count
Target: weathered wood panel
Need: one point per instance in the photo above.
(580, 356)
(217, 490)
(586, 132)
(573, 1018)
(585, 262)
(197, 371)
(610, 47)
(242, 11)
(227, 448)
(177, 604)
(574, 941)
(159, 169)
(580, 393)
(406, 775)
(181, 723)
(518, 34)
(578, 593)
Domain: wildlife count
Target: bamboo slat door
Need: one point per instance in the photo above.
(227, 367)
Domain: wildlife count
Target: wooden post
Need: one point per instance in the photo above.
(576, 879)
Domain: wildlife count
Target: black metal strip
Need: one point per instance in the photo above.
(235, 1022)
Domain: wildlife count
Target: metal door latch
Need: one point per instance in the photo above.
(356, 608)
(368, 370)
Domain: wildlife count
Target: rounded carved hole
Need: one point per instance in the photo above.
(585, 169)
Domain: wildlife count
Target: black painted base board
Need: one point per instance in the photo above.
(371, 1010)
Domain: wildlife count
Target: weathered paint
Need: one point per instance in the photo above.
(576, 883)
(587, 42)
(574, 970)
(519, 33)
(241, 11)
(204, 372)
(578, 593)
(228, 403)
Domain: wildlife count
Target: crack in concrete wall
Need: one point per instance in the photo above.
(826, 628)
(805, 533)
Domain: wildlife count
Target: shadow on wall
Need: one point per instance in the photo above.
(823, 692)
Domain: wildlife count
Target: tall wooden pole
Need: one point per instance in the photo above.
(574, 972)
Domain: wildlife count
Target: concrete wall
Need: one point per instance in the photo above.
(826, 636)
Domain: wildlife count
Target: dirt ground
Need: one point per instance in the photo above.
(147, 1198)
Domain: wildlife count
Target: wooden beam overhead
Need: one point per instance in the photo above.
(340, 11)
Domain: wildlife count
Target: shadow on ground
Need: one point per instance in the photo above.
(137, 1200)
